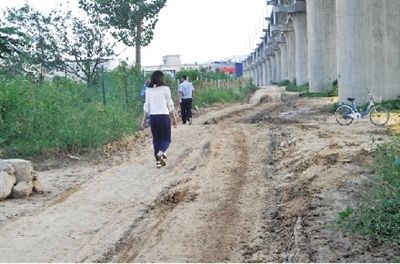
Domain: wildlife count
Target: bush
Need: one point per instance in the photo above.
(58, 116)
(392, 105)
(208, 97)
(379, 213)
(305, 89)
(284, 83)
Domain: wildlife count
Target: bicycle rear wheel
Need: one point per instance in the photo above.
(379, 116)
(342, 115)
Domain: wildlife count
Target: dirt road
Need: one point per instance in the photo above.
(245, 183)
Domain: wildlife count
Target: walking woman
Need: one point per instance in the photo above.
(159, 106)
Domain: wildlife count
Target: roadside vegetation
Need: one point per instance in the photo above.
(62, 115)
(304, 90)
(211, 96)
(216, 87)
(58, 95)
(378, 215)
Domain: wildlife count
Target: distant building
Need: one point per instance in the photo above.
(171, 65)
(228, 67)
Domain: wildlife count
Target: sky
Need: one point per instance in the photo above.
(198, 30)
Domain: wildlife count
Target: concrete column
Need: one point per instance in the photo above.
(273, 68)
(321, 31)
(269, 71)
(253, 74)
(264, 73)
(384, 44)
(259, 74)
(278, 65)
(264, 66)
(300, 31)
(291, 58)
(352, 48)
(284, 61)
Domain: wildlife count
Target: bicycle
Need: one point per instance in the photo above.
(346, 113)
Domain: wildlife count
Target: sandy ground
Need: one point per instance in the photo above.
(255, 182)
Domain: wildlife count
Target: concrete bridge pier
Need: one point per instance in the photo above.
(253, 74)
(284, 58)
(265, 74)
(352, 48)
(269, 71)
(262, 77)
(277, 53)
(273, 67)
(384, 46)
(261, 73)
(321, 31)
(300, 30)
(291, 58)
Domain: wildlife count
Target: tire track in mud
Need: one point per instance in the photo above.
(316, 172)
(222, 218)
(225, 226)
(259, 185)
(145, 228)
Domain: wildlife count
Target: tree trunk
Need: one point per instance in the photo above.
(138, 46)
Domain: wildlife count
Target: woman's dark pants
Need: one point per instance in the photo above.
(161, 131)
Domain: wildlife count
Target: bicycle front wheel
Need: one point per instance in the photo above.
(379, 116)
(342, 115)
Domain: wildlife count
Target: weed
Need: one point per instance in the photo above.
(208, 97)
(379, 214)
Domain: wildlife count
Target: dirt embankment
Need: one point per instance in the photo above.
(245, 183)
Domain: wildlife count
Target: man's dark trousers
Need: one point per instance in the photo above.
(186, 109)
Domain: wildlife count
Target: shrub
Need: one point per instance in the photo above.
(379, 213)
(58, 116)
(208, 97)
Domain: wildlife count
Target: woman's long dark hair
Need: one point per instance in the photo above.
(157, 79)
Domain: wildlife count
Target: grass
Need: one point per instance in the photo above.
(58, 117)
(63, 116)
(209, 97)
(304, 90)
(379, 214)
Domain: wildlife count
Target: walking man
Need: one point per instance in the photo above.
(185, 98)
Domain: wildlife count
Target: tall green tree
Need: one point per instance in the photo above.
(84, 47)
(131, 21)
(43, 53)
(12, 41)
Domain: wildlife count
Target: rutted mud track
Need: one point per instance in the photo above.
(245, 183)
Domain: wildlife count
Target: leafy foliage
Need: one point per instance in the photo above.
(379, 213)
(208, 97)
(57, 115)
(132, 21)
(59, 42)
(84, 47)
(304, 90)
(43, 53)
(12, 41)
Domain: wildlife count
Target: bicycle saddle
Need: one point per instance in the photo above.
(351, 99)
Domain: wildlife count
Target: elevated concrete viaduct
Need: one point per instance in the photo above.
(355, 42)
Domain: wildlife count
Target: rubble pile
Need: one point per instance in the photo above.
(18, 179)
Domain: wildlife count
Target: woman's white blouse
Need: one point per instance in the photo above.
(158, 101)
